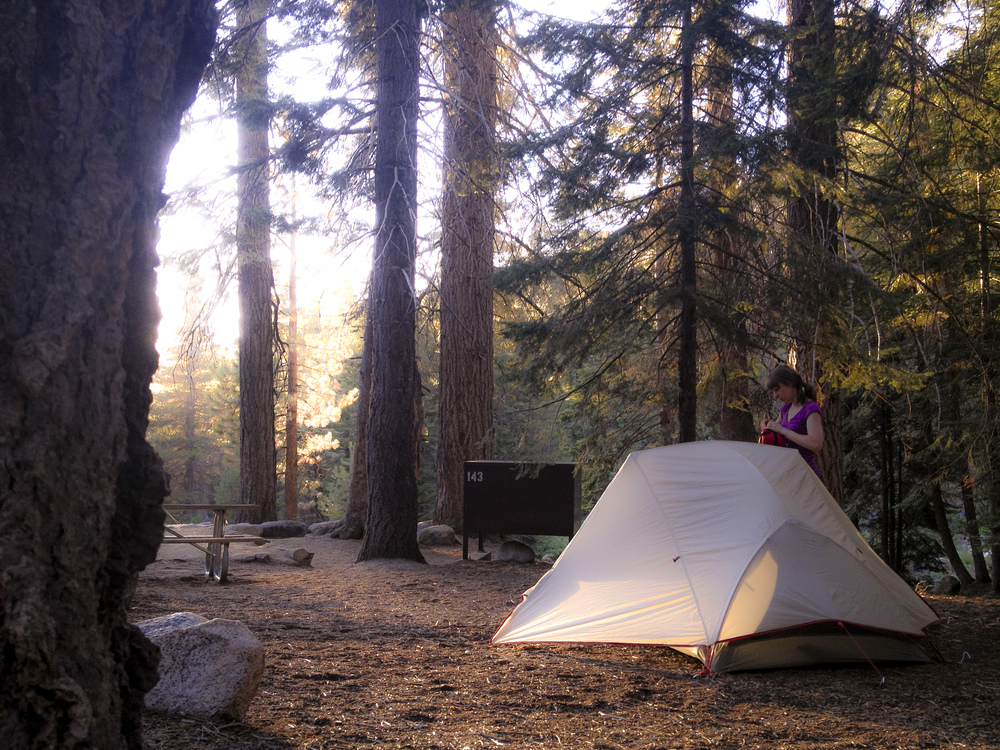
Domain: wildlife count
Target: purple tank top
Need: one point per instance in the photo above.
(798, 424)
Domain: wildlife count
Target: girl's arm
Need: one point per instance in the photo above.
(811, 441)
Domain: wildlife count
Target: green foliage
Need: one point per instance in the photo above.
(548, 545)
(194, 426)
(604, 280)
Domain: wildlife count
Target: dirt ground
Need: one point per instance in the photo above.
(392, 654)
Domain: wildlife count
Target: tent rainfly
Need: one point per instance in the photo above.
(733, 553)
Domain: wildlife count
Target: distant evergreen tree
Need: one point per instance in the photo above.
(195, 428)
(649, 179)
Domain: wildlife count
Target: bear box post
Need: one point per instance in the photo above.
(508, 497)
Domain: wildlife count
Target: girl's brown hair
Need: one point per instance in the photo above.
(785, 375)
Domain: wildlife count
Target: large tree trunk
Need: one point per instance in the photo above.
(391, 530)
(258, 479)
(687, 359)
(356, 514)
(736, 421)
(465, 415)
(812, 121)
(92, 96)
(944, 531)
(973, 531)
(813, 216)
(191, 483)
(831, 457)
(990, 407)
(292, 413)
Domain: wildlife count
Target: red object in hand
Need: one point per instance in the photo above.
(770, 437)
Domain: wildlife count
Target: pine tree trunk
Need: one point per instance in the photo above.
(990, 405)
(887, 476)
(813, 216)
(993, 513)
(391, 528)
(465, 417)
(92, 97)
(944, 531)
(995, 556)
(973, 532)
(736, 422)
(258, 479)
(687, 359)
(292, 410)
(812, 123)
(831, 457)
(190, 426)
(665, 377)
(356, 514)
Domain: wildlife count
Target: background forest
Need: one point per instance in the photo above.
(622, 225)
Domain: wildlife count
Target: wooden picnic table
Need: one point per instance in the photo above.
(216, 546)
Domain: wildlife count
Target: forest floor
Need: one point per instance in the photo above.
(393, 654)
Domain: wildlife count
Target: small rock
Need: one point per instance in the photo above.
(437, 536)
(252, 557)
(512, 551)
(283, 529)
(478, 556)
(244, 529)
(300, 556)
(325, 528)
(947, 585)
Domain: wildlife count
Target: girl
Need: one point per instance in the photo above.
(801, 421)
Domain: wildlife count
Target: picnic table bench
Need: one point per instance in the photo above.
(216, 546)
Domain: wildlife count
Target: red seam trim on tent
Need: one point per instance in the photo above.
(509, 615)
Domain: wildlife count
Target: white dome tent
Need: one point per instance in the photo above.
(733, 553)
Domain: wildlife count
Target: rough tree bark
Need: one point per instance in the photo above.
(687, 358)
(391, 529)
(736, 421)
(944, 531)
(813, 216)
(465, 415)
(356, 515)
(258, 478)
(92, 96)
(973, 532)
(292, 413)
